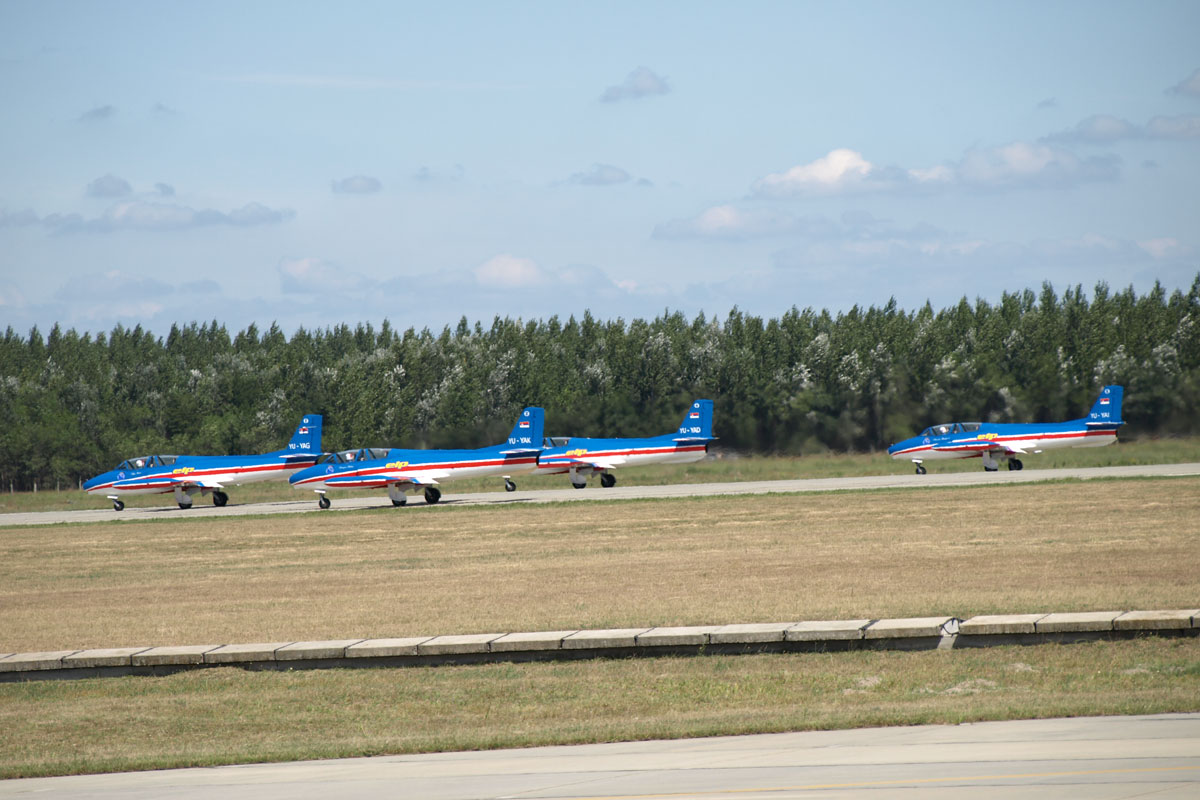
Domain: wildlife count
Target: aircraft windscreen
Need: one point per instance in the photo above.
(942, 430)
(556, 441)
(371, 453)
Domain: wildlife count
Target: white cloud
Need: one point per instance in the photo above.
(642, 82)
(842, 170)
(601, 175)
(109, 186)
(1026, 164)
(139, 215)
(1097, 129)
(1189, 86)
(98, 114)
(357, 184)
(509, 272)
(1014, 165)
(1107, 129)
(316, 276)
(1163, 248)
(1186, 126)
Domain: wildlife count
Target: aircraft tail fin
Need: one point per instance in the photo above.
(1107, 408)
(307, 438)
(697, 422)
(527, 433)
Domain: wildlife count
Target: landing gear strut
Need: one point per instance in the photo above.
(432, 495)
(608, 481)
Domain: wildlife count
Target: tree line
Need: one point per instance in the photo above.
(75, 404)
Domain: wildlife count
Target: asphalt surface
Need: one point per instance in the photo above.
(1089, 757)
(348, 501)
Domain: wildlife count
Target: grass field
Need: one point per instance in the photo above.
(225, 715)
(1093, 545)
(721, 466)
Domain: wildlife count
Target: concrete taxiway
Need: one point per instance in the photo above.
(350, 501)
(1089, 757)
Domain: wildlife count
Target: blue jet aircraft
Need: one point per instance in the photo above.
(580, 458)
(993, 440)
(186, 476)
(404, 472)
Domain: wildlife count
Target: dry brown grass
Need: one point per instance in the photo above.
(421, 571)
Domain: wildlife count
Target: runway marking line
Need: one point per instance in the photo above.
(865, 784)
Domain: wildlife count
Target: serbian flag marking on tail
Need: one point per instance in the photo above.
(694, 415)
(524, 423)
(1104, 401)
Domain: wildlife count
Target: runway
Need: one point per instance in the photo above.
(349, 501)
(1089, 757)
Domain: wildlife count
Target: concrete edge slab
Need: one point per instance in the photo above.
(386, 648)
(601, 639)
(457, 645)
(534, 640)
(1156, 620)
(910, 627)
(242, 653)
(1077, 621)
(24, 662)
(751, 633)
(170, 656)
(297, 651)
(994, 624)
(693, 636)
(110, 657)
(826, 630)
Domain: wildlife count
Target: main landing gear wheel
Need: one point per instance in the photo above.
(432, 495)
(509, 486)
(220, 499)
(186, 506)
(608, 481)
(399, 502)
(579, 485)
(921, 469)
(1015, 464)
(118, 505)
(323, 501)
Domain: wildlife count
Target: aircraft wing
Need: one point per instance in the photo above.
(597, 464)
(167, 483)
(1017, 448)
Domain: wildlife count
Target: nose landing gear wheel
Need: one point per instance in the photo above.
(509, 486)
(921, 469)
(608, 481)
(323, 501)
(220, 499)
(432, 495)
(118, 505)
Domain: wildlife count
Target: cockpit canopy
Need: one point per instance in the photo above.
(142, 462)
(353, 456)
(556, 441)
(951, 427)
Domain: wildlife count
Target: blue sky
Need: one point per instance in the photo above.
(313, 163)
